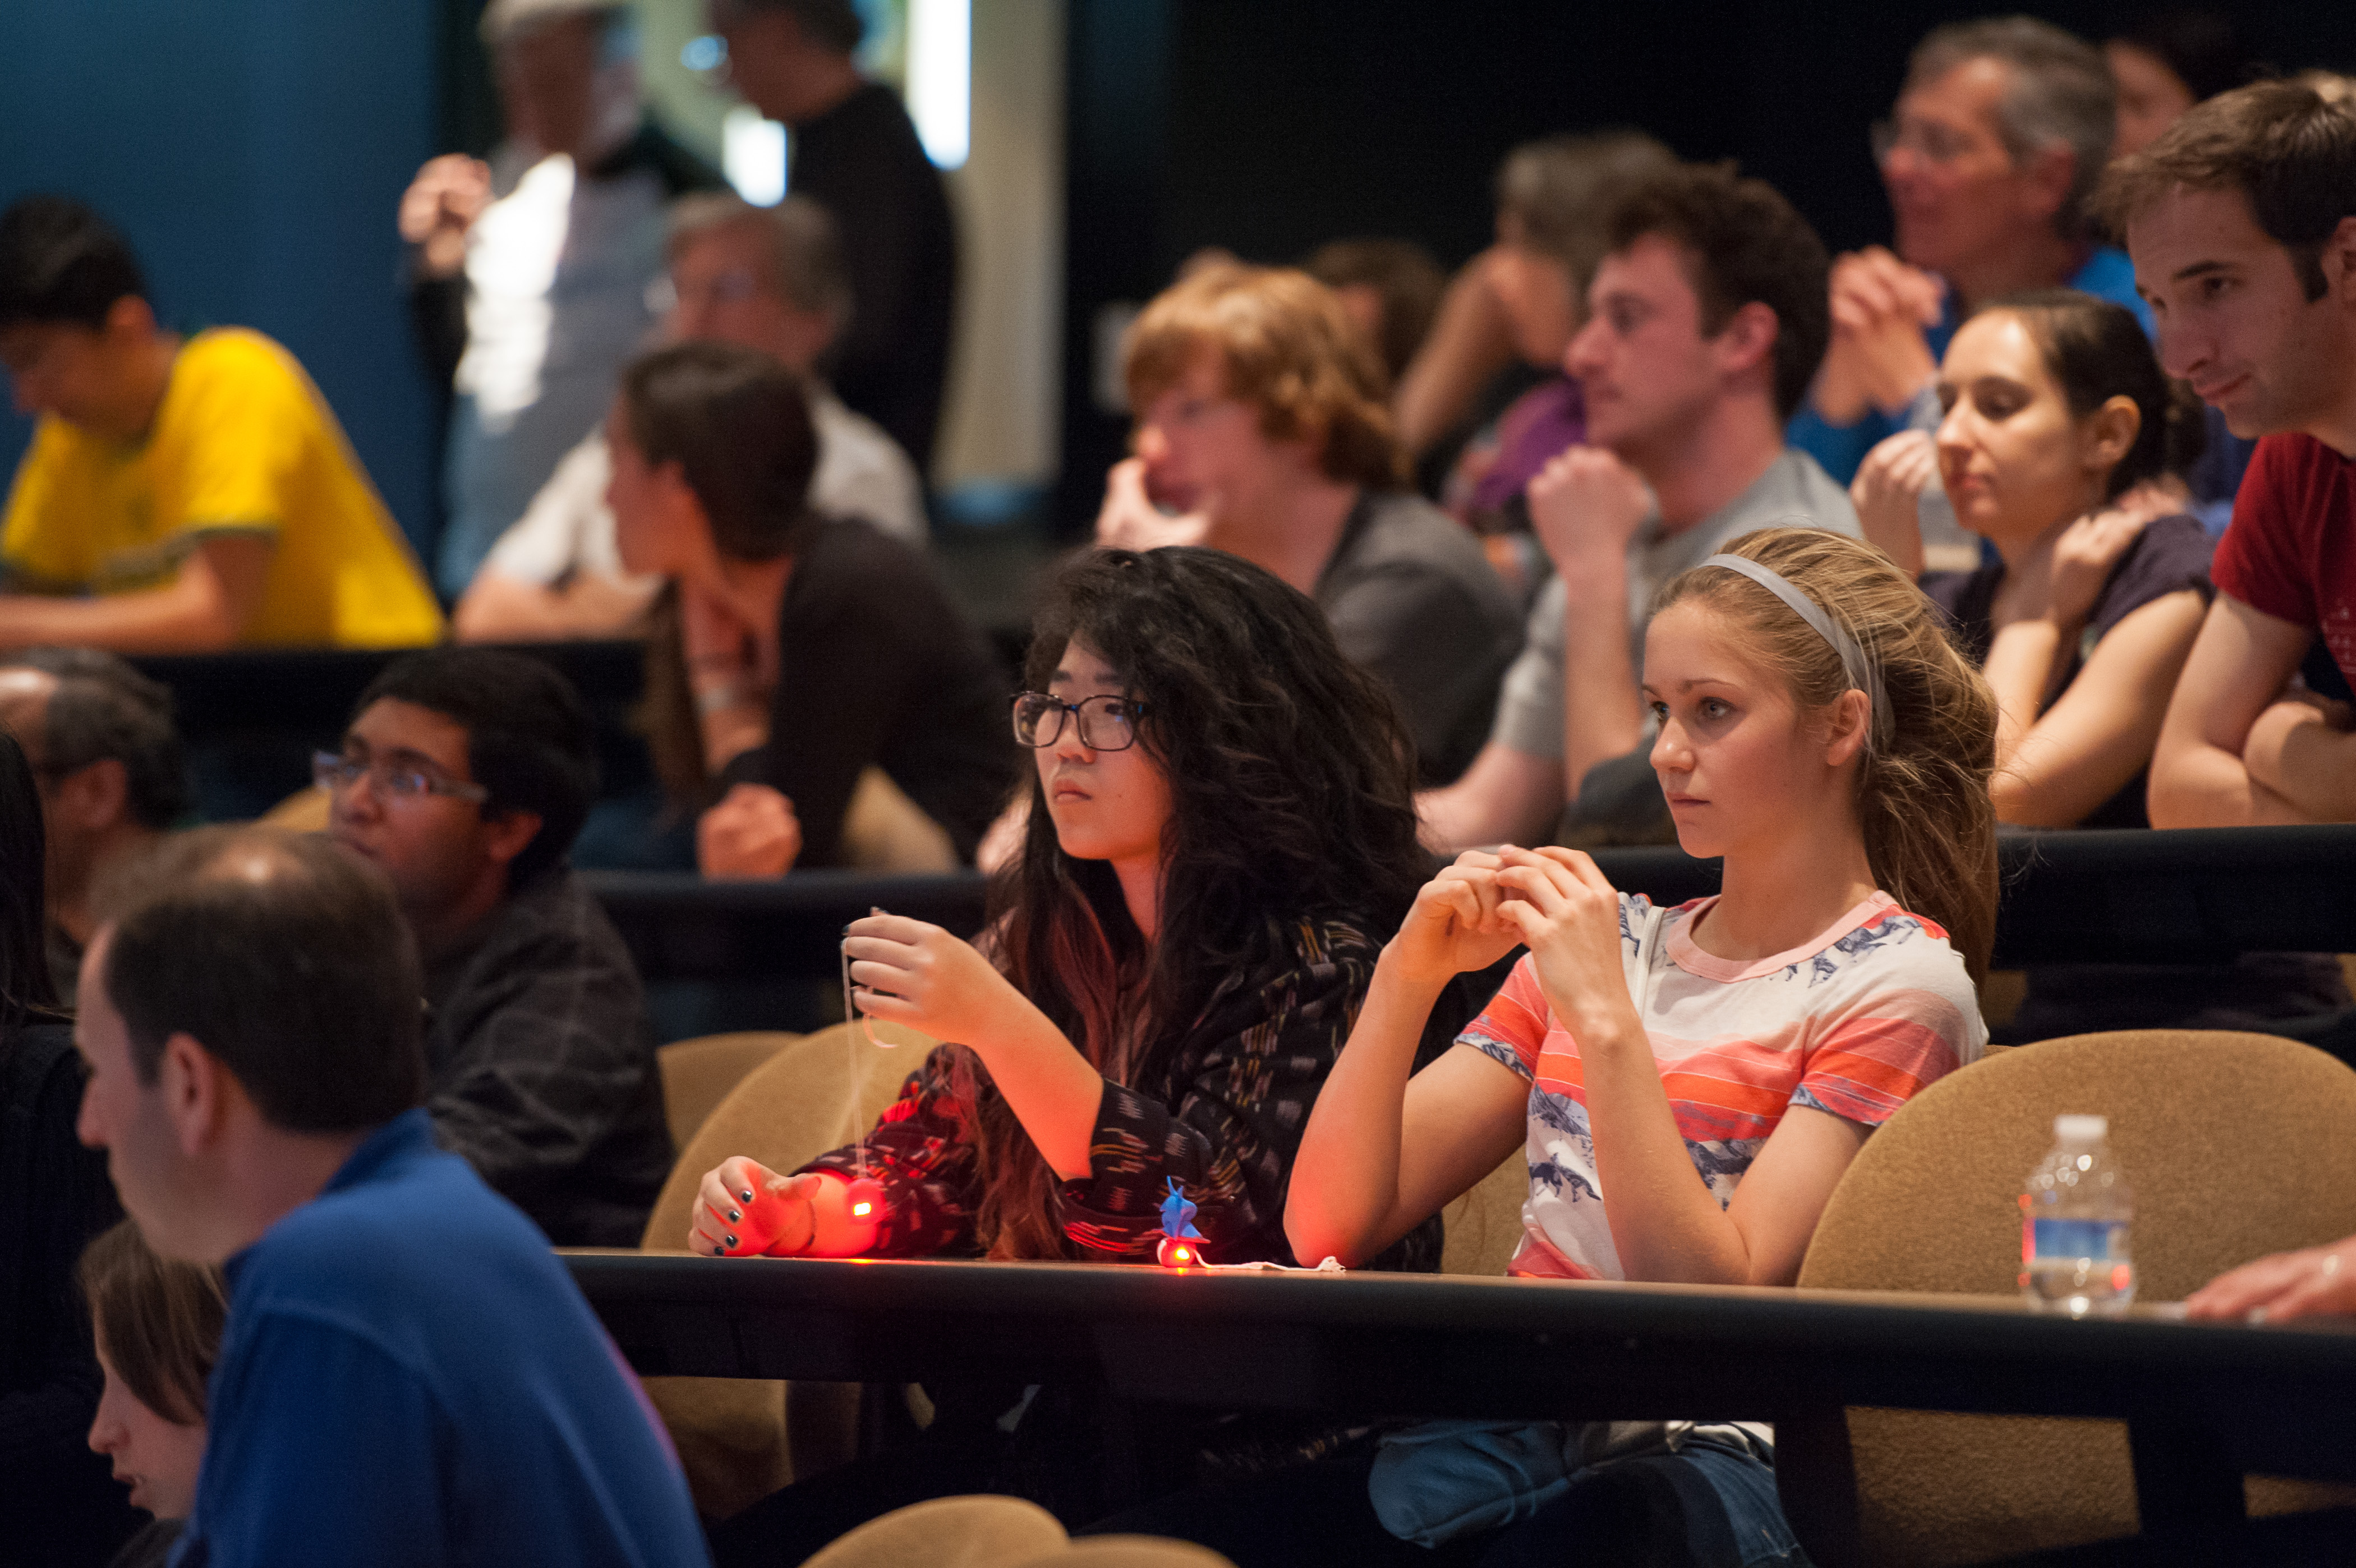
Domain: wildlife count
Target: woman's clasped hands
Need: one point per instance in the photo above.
(1556, 901)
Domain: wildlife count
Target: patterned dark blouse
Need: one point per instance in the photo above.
(1224, 1117)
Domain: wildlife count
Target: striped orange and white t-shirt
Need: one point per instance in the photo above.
(1854, 1022)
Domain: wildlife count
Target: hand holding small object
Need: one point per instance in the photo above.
(743, 1209)
(914, 972)
(1129, 521)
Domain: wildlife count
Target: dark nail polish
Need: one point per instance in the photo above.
(733, 1217)
(731, 1241)
(746, 1194)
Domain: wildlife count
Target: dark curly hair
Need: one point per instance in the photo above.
(1292, 779)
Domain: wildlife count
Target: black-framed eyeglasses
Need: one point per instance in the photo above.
(400, 781)
(1106, 723)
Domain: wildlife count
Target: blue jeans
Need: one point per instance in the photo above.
(1708, 1506)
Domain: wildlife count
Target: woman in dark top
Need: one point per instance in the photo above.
(791, 651)
(2056, 411)
(1220, 821)
(58, 1503)
(2058, 418)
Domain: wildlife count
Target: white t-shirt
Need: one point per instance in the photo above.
(862, 473)
(1853, 1022)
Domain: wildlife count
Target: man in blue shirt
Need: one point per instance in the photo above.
(408, 1375)
(1990, 157)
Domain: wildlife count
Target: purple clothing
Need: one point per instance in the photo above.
(1534, 428)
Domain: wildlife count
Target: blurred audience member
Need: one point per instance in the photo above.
(464, 776)
(359, 1401)
(1261, 431)
(792, 652)
(767, 278)
(1391, 289)
(855, 153)
(2242, 219)
(57, 1504)
(2168, 62)
(2000, 132)
(157, 1323)
(178, 495)
(107, 760)
(1705, 320)
(1551, 197)
(2056, 411)
(528, 275)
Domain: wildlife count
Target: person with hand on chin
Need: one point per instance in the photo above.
(1705, 320)
(1688, 1083)
(2060, 433)
(1220, 814)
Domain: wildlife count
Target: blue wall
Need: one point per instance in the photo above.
(255, 152)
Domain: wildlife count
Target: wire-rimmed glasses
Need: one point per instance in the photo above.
(1108, 723)
(398, 780)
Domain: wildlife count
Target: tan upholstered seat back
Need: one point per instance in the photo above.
(1485, 1224)
(977, 1531)
(814, 1094)
(2235, 1145)
(698, 1074)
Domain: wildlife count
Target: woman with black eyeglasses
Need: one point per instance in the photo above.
(790, 651)
(1221, 832)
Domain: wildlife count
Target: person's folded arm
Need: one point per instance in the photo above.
(2100, 734)
(203, 609)
(1507, 796)
(500, 609)
(2298, 753)
(2239, 665)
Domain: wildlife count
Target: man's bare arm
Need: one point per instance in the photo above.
(203, 608)
(2239, 666)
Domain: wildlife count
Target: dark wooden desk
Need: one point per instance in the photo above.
(2205, 1404)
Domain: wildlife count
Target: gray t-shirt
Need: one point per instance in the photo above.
(1413, 600)
(1794, 490)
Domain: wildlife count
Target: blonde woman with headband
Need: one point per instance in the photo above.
(1689, 1083)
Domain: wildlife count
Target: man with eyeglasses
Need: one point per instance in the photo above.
(771, 279)
(528, 273)
(464, 776)
(1999, 134)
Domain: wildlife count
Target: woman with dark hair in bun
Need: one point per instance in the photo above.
(2057, 415)
(791, 652)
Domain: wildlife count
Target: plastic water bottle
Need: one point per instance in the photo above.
(2073, 1224)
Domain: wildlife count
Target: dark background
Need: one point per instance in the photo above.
(255, 149)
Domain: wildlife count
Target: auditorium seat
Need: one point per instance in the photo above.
(1484, 1225)
(698, 1074)
(817, 1093)
(2235, 1145)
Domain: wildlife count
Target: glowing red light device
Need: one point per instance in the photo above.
(1177, 1252)
(864, 1197)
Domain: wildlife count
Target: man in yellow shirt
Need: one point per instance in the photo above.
(177, 497)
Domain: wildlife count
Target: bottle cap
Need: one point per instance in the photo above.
(2081, 1129)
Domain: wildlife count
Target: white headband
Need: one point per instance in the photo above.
(1863, 675)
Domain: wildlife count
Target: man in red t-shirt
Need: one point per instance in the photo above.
(2242, 221)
